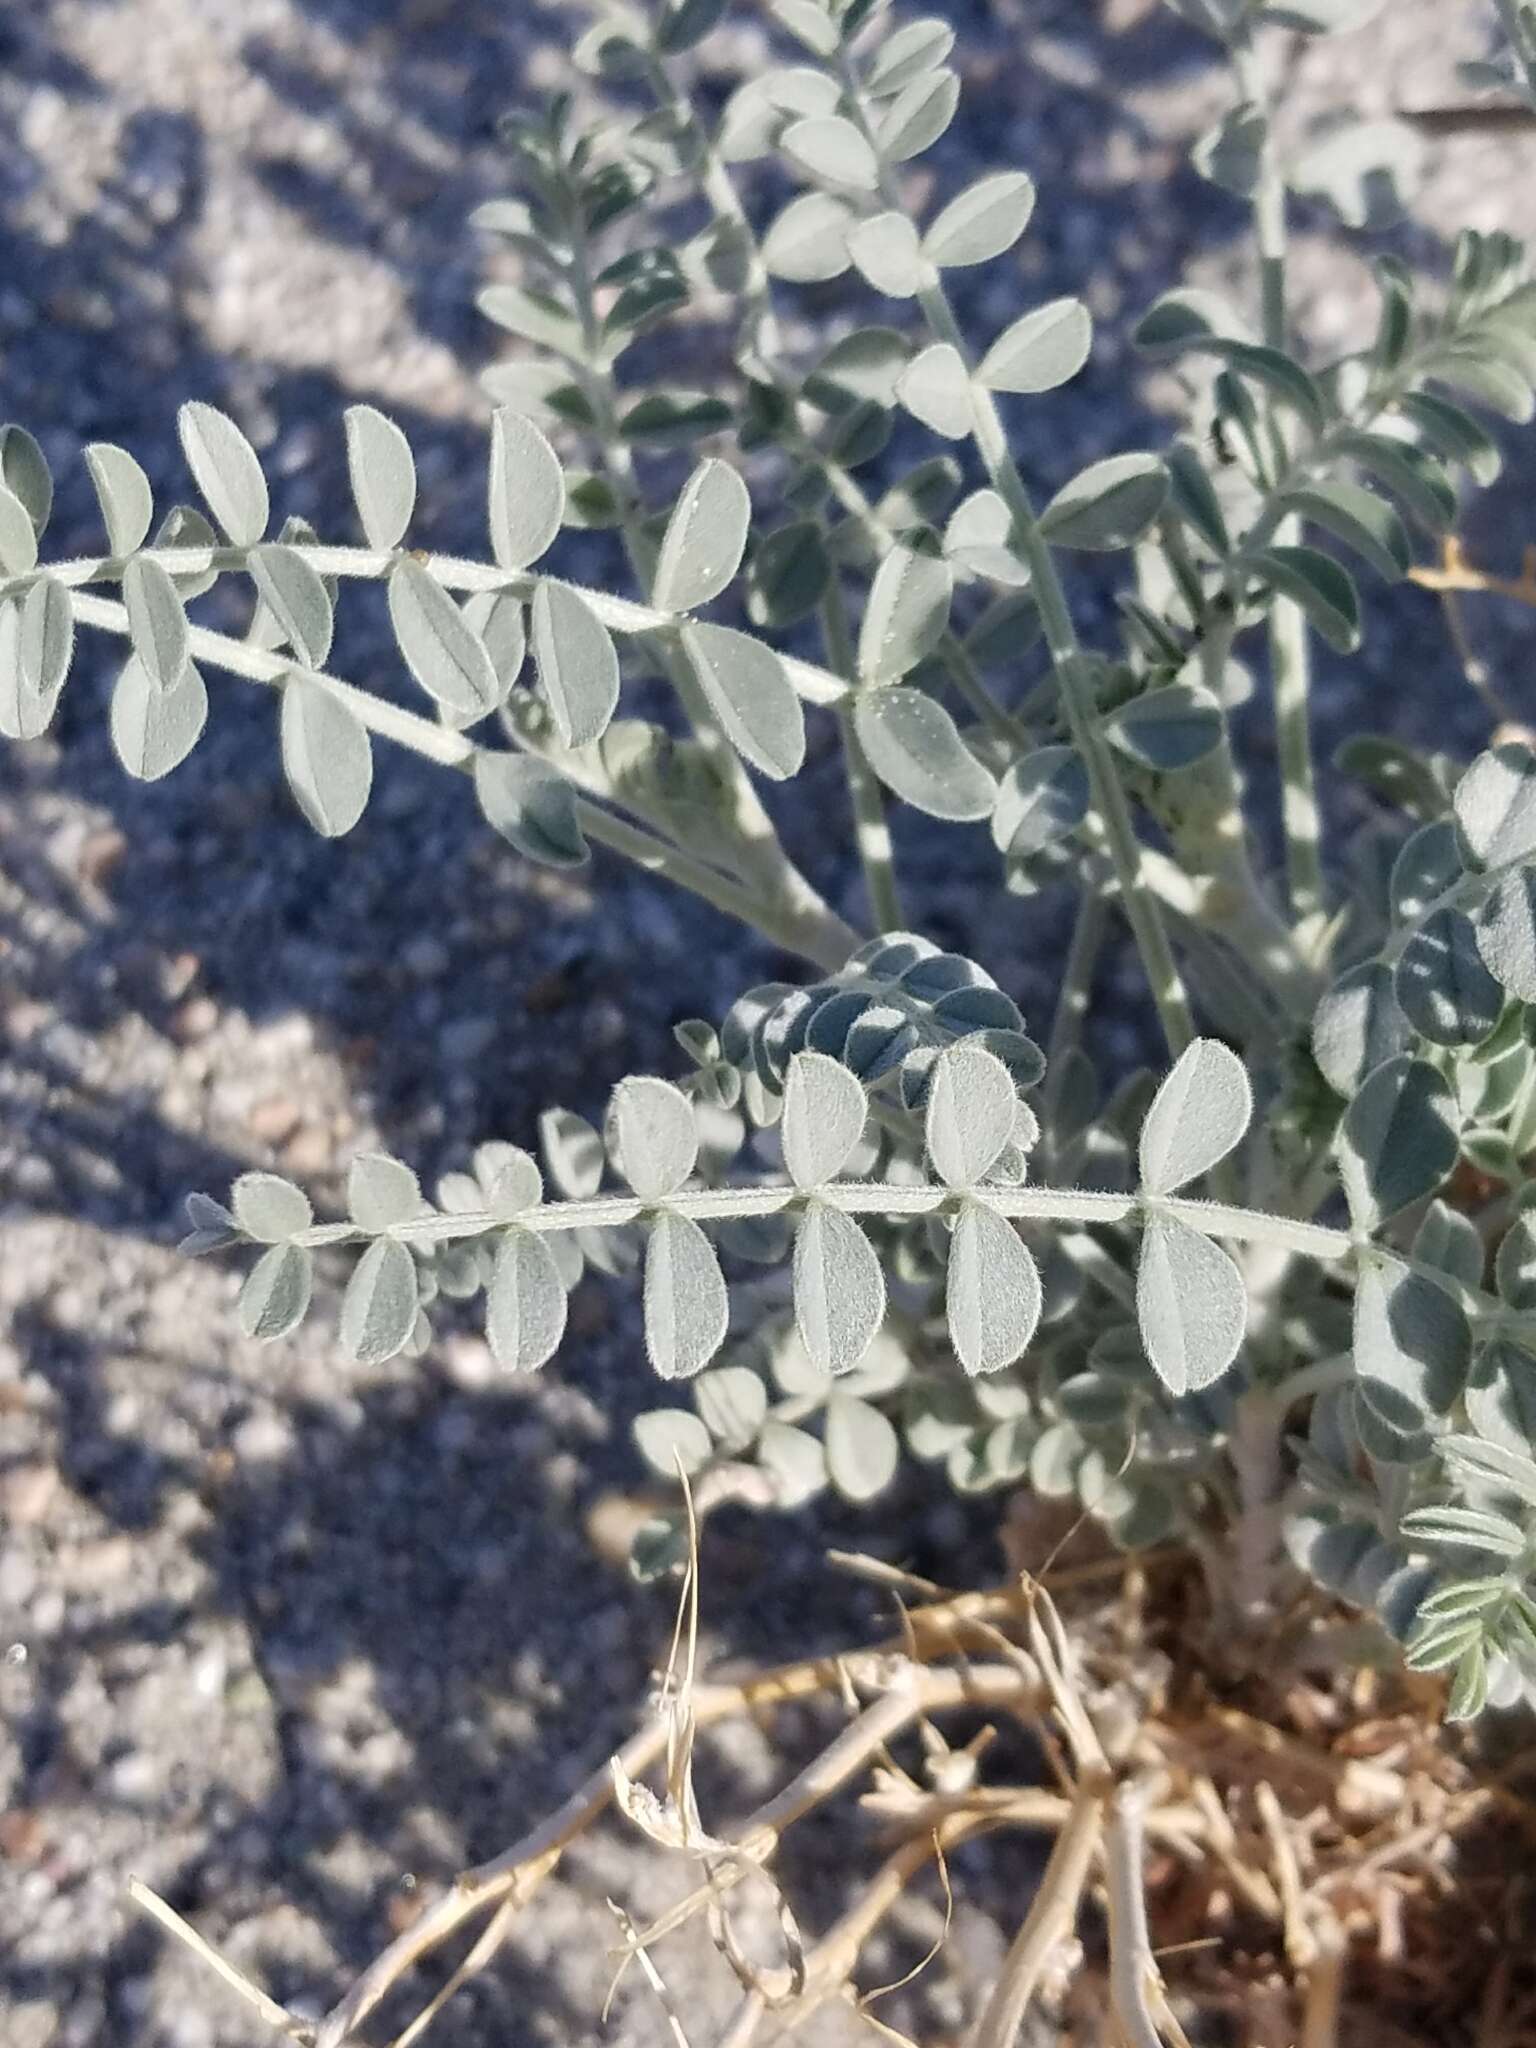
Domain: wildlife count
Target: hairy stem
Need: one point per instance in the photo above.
(1289, 649)
(1141, 908)
(762, 851)
(817, 934)
(872, 831)
(621, 615)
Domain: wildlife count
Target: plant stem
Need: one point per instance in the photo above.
(622, 615)
(1289, 648)
(817, 934)
(1141, 909)
(871, 1198)
(1135, 1983)
(872, 832)
(761, 847)
(1077, 975)
(1052, 1916)
(1254, 1443)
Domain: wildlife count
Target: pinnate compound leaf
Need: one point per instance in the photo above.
(496, 617)
(25, 474)
(885, 251)
(863, 1449)
(1357, 1025)
(831, 150)
(525, 498)
(808, 243)
(907, 611)
(269, 1208)
(1356, 516)
(1492, 1465)
(383, 474)
(915, 49)
(24, 713)
(673, 1440)
(573, 1153)
(227, 471)
(823, 1119)
(1451, 1241)
(1495, 805)
(382, 1192)
(978, 541)
(1040, 351)
(1398, 1140)
(1109, 505)
(972, 1106)
(1324, 591)
(378, 1310)
(935, 388)
(809, 22)
(157, 624)
(1040, 799)
(1465, 1529)
(327, 756)
(858, 374)
(509, 1177)
(789, 574)
(525, 1303)
(45, 638)
(1506, 933)
(795, 1460)
(686, 1304)
(916, 750)
(1515, 1265)
(992, 1294)
(184, 527)
(1412, 1343)
(733, 1402)
(839, 1289)
(297, 599)
(18, 535)
(981, 222)
(441, 649)
(1169, 728)
(1231, 154)
(276, 1295)
(532, 805)
(577, 663)
(154, 730)
(1428, 863)
(917, 116)
(751, 695)
(123, 493)
(1445, 991)
(1200, 1112)
(656, 1137)
(1191, 1305)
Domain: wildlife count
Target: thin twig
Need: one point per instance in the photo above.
(1300, 1942)
(635, 1950)
(1135, 1982)
(1323, 1998)
(275, 2015)
(1050, 1920)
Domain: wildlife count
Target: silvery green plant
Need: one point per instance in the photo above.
(1278, 1306)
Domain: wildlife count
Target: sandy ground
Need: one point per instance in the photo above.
(288, 1638)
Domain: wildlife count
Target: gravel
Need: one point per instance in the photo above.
(289, 1639)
